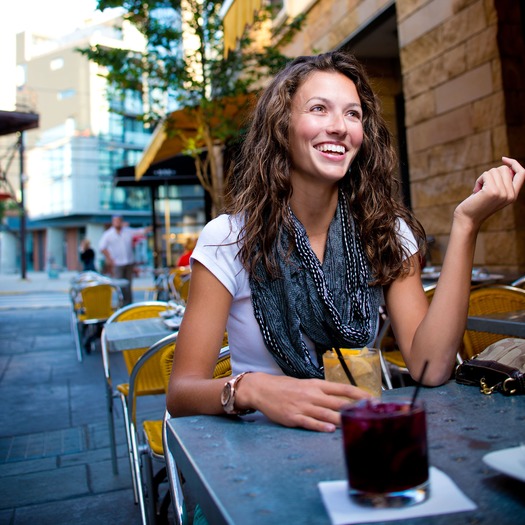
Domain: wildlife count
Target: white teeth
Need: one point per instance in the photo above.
(332, 148)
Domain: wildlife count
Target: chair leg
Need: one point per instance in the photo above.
(87, 338)
(164, 508)
(111, 426)
(129, 444)
(175, 480)
(402, 379)
(151, 487)
(75, 328)
(137, 474)
(386, 372)
(162, 503)
(176, 493)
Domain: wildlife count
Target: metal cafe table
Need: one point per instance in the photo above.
(138, 333)
(507, 323)
(254, 471)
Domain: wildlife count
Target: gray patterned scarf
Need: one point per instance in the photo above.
(331, 303)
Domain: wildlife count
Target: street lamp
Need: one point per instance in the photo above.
(18, 122)
(7, 193)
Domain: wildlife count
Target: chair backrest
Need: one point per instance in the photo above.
(180, 282)
(150, 380)
(89, 277)
(147, 372)
(154, 366)
(490, 299)
(139, 310)
(99, 301)
(222, 368)
(519, 282)
(429, 290)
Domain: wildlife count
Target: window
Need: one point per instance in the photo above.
(56, 63)
(21, 75)
(65, 94)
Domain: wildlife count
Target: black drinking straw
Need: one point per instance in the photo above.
(340, 356)
(345, 367)
(418, 386)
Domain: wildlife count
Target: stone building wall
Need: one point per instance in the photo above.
(457, 117)
(462, 76)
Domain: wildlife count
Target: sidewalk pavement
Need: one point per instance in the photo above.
(42, 282)
(55, 461)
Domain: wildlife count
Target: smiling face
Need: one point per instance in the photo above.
(326, 129)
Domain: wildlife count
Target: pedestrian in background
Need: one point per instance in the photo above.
(116, 245)
(184, 259)
(87, 256)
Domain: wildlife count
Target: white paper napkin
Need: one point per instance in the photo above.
(445, 498)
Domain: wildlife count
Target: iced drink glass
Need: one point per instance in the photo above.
(363, 363)
(385, 447)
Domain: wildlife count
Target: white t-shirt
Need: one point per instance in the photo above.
(217, 250)
(119, 245)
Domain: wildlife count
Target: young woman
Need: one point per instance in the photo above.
(313, 241)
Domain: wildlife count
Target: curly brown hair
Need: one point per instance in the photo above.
(259, 187)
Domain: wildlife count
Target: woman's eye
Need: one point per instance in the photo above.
(317, 108)
(354, 114)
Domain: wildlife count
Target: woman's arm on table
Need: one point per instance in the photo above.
(434, 332)
(309, 403)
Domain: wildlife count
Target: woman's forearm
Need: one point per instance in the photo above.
(439, 335)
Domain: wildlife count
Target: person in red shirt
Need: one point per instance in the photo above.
(184, 259)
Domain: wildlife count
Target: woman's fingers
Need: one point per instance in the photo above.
(511, 175)
(313, 404)
(494, 189)
(518, 172)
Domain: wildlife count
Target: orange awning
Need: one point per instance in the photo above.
(180, 130)
(240, 14)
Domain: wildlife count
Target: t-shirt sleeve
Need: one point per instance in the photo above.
(407, 237)
(217, 250)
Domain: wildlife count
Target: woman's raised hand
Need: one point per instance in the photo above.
(494, 189)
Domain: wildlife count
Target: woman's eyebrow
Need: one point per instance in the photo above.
(319, 98)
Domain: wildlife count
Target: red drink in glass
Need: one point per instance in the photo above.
(385, 445)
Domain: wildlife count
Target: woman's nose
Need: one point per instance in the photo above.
(337, 124)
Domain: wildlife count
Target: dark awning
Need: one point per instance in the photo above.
(178, 170)
(14, 121)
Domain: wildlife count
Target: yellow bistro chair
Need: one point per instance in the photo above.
(222, 370)
(490, 299)
(92, 303)
(142, 451)
(149, 446)
(151, 383)
(519, 282)
(179, 283)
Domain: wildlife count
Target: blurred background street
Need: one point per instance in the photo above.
(55, 465)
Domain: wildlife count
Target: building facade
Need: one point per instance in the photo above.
(84, 136)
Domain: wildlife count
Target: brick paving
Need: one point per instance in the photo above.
(55, 465)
